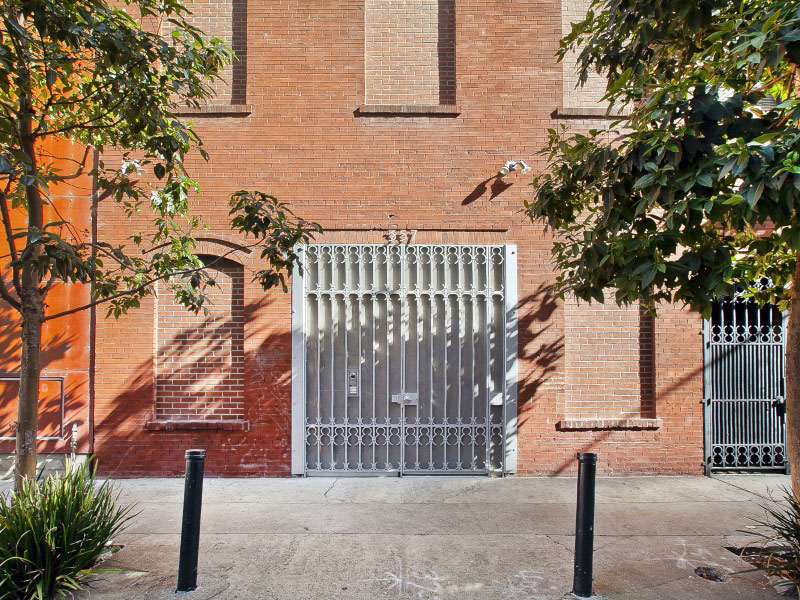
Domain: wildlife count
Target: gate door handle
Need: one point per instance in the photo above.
(406, 398)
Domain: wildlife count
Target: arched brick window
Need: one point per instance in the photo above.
(199, 357)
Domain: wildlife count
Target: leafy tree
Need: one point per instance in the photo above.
(110, 77)
(697, 193)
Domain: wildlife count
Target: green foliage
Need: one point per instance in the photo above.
(53, 532)
(111, 76)
(267, 219)
(697, 191)
(780, 538)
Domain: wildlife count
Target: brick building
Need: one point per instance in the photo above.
(387, 122)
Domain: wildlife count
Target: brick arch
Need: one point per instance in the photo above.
(220, 246)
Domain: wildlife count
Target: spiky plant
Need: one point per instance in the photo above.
(779, 538)
(53, 531)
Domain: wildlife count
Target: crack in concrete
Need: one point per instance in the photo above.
(733, 485)
(468, 489)
(325, 495)
(558, 543)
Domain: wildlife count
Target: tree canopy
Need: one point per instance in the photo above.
(112, 77)
(697, 192)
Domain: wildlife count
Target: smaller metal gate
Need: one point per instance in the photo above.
(744, 348)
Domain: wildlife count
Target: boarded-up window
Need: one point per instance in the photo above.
(200, 358)
(589, 95)
(227, 21)
(410, 52)
(609, 361)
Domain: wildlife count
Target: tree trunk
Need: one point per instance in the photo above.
(28, 402)
(793, 381)
(32, 299)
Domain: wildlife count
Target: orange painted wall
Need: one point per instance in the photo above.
(65, 385)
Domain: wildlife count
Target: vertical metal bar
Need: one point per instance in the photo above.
(334, 315)
(373, 283)
(707, 394)
(488, 305)
(320, 329)
(403, 339)
(418, 303)
(361, 300)
(298, 368)
(447, 330)
(460, 339)
(510, 353)
(348, 326)
(389, 332)
(432, 335)
(473, 328)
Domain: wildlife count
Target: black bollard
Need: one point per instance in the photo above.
(584, 525)
(190, 530)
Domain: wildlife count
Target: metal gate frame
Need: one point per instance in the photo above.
(510, 351)
(710, 403)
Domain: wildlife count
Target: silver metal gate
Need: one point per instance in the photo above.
(404, 359)
(744, 387)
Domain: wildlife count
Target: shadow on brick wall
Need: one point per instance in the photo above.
(260, 447)
(546, 355)
(54, 349)
(239, 47)
(446, 49)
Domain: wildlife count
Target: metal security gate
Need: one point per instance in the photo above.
(744, 387)
(404, 360)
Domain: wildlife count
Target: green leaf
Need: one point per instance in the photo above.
(765, 138)
(619, 82)
(648, 276)
(705, 180)
(644, 181)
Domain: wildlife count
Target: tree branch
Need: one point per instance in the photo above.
(139, 288)
(9, 231)
(6, 295)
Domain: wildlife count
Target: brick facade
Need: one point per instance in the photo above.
(591, 378)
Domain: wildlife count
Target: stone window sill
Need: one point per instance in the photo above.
(587, 113)
(223, 110)
(604, 424)
(407, 110)
(197, 425)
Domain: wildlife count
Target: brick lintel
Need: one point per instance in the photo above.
(216, 110)
(629, 423)
(197, 424)
(597, 112)
(409, 110)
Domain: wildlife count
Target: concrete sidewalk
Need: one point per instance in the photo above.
(437, 537)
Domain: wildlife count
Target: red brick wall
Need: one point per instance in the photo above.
(359, 176)
(675, 379)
